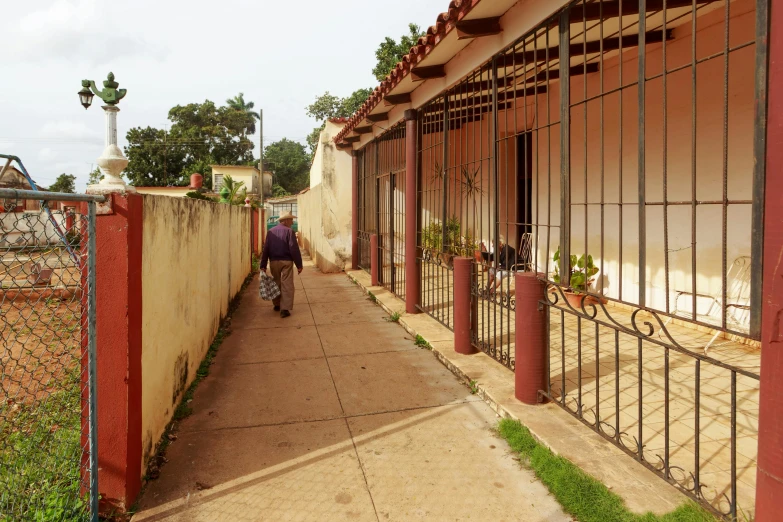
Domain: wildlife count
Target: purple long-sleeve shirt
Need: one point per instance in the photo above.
(281, 245)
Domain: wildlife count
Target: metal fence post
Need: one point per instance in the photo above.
(92, 352)
(463, 272)
(374, 259)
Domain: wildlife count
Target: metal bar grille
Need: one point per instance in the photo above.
(367, 203)
(390, 176)
(48, 429)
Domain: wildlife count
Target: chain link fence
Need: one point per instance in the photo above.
(47, 370)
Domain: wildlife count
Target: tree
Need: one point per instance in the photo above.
(238, 104)
(64, 183)
(95, 176)
(329, 106)
(291, 164)
(390, 52)
(202, 134)
(278, 191)
(237, 192)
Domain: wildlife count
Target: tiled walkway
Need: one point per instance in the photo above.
(335, 414)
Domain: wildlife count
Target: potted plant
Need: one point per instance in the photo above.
(583, 272)
(432, 240)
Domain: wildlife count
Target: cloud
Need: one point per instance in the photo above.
(46, 154)
(71, 30)
(67, 129)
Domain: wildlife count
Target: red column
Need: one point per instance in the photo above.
(530, 338)
(373, 260)
(412, 269)
(118, 259)
(70, 219)
(354, 211)
(255, 222)
(463, 268)
(769, 478)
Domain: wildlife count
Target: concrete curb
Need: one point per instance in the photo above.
(641, 489)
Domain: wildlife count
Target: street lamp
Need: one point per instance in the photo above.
(111, 162)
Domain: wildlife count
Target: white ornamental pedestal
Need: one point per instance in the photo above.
(111, 162)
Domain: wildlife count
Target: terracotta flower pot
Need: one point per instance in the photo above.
(575, 300)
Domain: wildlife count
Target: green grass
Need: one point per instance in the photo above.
(372, 297)
(395, 317)
(421, 342)
(255, 264)
(579, 494)
(473, 385)
(40, 455)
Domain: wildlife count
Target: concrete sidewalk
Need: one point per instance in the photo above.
(335, 414)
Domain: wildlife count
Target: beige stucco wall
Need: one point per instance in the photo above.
(196, 255)
(178, 192)
(325, 210)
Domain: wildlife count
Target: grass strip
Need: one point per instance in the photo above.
(579, 494)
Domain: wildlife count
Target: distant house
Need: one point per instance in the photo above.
(250, 176)
(13, 178)
(175, 192)
(276, 206)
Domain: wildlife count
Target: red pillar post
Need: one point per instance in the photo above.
(769, 477)
(530, 338)
(463, 268)
(412, 269)
(354, 211)
(374, 260)
(255, 223)
(118, 287)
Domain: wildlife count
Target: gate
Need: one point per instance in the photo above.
(48, 430)
(390, 180)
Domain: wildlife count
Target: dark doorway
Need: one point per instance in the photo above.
(524, 186)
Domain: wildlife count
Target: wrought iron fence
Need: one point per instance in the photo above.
(567, 137)
(367, 204)
(390, 179)
(48, 459)
(642, 384)
(435, 198)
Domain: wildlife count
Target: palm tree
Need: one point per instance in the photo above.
(238, 104)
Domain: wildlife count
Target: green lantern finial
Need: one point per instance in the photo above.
(110, 95)
(224, 194)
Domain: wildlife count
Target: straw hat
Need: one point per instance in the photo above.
(286, 215)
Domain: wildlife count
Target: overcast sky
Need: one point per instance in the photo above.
(280, 53)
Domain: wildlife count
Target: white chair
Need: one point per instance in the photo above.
(737, 301)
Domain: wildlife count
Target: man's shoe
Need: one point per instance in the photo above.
(285, 313)
(277, 308)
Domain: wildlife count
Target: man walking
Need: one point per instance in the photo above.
(282, 252)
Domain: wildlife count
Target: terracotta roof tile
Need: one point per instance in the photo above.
(444, 24)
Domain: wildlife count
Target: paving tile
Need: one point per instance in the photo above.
(366, 338)
(264, 316)
(384, 382)
(302, 472)
(244, 346)
(327, 281)
(437, 463)
(335, 294)
(263, 394)
(347, 313)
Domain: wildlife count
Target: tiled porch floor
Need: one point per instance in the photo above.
(609, 376)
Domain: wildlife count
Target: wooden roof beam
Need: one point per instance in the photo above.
(351, 139)
(363, 130)
(397, 99)
(419, 74)
(375, 118)
(478, 27)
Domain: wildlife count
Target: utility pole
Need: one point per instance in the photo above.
(261, 152)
